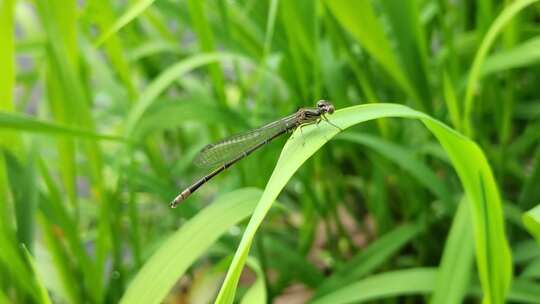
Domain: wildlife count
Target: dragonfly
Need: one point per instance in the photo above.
(227, 152)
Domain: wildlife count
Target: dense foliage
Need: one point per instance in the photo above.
(105, 104)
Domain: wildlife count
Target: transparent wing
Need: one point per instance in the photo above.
(227, 149)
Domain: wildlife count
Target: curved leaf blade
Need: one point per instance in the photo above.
(171, 260)
(474, 75)
(401, 282)
(492, 249)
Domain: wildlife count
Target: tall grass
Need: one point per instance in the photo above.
(104, 105)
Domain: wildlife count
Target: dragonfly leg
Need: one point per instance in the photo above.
(302, 134)
(328, 121)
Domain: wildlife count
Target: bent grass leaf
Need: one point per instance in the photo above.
(494, 264)
(476, 69)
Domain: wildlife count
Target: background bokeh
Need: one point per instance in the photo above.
(105, 104)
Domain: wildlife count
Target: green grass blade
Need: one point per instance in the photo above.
(532, 270)
(408, 34)
(297, 18)
(358, 17)
(7, 54)
(13, 264)
(166, 78)
(493, 257)
(101, 11)
(152, 48)
(525, 291)
(26, 123)
(385, 285)
(451, 101)
(531, 220)
(206, 42)
(23, 183)
(172, 114)
(42, 291)
(10, 140)
(492, 250)
(474, 74)
(522, 55)
(453, 274)
(270, 27)
(131, 13)
(168, 264)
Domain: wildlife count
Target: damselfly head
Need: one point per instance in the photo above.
(325, 106)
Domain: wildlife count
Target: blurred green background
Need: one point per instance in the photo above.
(105, 104)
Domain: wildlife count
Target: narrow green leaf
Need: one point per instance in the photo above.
(206, 42)
(524, 291)
(43, 294)
(358, 17)
(451, 101)
(10, 140)
(152, 48)
(166, 78)
(522, 55)
(70, 102)
(453, 274)
(13, 264)
(172, 114)
(131, 13)
(532, 270)
(408, 34)
(23, 184)
(7, 54)
(492, 250)
(531, 220)
(101, 12)
(475, 72)
(270, 26)
(297, 20)
(414, 281)
(26, 123)
(385, 285)
(179, 251)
